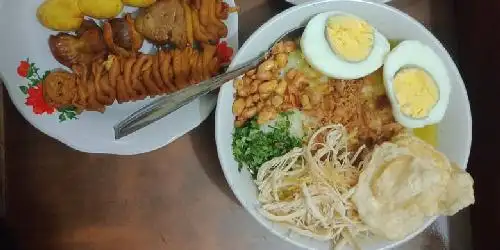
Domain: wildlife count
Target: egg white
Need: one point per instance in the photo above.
(321, 57)
(415, 53)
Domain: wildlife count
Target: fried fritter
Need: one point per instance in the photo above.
(84, 48)
(163, 22)
(59, 88)
(60, 15)
(100, 9)
(121, 37)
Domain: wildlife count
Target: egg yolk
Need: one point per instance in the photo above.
(351, 38)
(415, 91)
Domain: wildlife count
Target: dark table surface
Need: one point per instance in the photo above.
(173, 198)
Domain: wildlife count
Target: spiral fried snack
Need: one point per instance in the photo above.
(207, 19)
(125, 79)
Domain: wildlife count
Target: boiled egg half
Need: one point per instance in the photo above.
(417, 84)
(343, 46)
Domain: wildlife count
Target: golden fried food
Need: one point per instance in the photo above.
(181, 22)
(188, 15)
(121, 37)
(60, 15)
(166, 72)
(216, 22)
(208, 18)
(124, 33)
(194, 3)
(138, 3)
(163, 22)
(101, 9)
(199, 31)
(59, 89)
(129, 78)
(83, 49)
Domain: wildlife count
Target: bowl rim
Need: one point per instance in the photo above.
(416, 24)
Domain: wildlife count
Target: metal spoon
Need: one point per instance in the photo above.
(171, 102)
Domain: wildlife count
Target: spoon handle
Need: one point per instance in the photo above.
(171, 102)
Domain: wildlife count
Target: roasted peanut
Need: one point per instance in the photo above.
(243, 92)
(238, 106)
(246, 80)
(254, 86)
(249, 112)
(291, 74)
(268, 87)
(267, 65)
(281, 60)
(249, 102)
(277, 100)
(266, 114)
(264, 76)
(238, 83)
(256, 98)
(268, 103)
(260, 105)
(304, 101)
(251, 72)
(289, 46)
(278, 48)
(281, 88)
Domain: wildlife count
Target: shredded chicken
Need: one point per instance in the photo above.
(310, 188)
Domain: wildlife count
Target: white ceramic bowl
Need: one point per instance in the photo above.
(297, 2)
(455, 131)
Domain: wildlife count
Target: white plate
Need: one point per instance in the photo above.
(455, 131)
(23, 37)
(297, 2)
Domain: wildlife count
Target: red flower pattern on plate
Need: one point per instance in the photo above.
(224, 52)
(34, 92)
(23, 68)
(35, 99)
